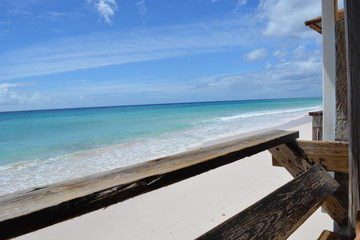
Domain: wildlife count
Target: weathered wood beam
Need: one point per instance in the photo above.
(328, 235)
(316, 23)
(342, 126)
(333, 156)
(27, 211)
(352, 36)
(291, 157)
(280, 213)
(336, 10)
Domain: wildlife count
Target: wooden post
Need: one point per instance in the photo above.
(352, 29)
(329, 69)
(327, 235)
(342, 126)
(317, 125)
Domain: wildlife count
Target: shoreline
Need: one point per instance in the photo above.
(116, 156)
(187, 209)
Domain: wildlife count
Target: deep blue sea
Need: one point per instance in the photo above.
(42, 147)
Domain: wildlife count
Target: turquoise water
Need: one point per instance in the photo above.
(41, 147)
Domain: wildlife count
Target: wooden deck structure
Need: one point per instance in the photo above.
(276, 216)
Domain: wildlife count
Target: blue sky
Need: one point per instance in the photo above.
(81, 53)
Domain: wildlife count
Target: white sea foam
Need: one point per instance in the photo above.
(259, 114)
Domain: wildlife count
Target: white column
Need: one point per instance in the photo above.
(329, 69)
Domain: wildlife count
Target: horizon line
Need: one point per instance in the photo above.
(151, 104)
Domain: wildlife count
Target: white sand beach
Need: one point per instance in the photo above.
(189, 208)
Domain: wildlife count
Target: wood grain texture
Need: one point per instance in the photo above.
(342, 126)
(342, 123)
(352, 36)
(279, 214)
(333, 156)
(27, 211)
(328, 235)
(292, 157)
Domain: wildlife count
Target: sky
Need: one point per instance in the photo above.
(85, 53)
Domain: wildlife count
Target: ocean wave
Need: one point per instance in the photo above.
(257, 114)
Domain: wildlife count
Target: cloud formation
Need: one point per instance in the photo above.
(19, 12)
(279, 54)
(284, 18)
(299, 76)
(95, 50)
(240, 3)
(11, 97)
(256, 55)
(142, 9)
(105, 8)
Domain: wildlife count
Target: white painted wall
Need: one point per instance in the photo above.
(329, 69)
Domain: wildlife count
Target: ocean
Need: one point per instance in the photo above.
(46, 146)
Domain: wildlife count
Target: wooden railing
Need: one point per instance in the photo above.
(274, 217)
(43, 206)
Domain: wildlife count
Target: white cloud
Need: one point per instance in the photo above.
(11, 97)
(19, 12)
(142, 9)
(106, 8)
(95, 50)
(8, 85)
(340, 4)
(284, 18)
(290, 79)
(55, 14)
(268, 65)
(256, 55)
(240, 3)
(279, 54)
(301, 53)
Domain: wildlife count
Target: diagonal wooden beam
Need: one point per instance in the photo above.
(291, 156)
(328, 235)
(280, 213)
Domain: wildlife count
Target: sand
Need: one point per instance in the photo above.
(190, 208)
